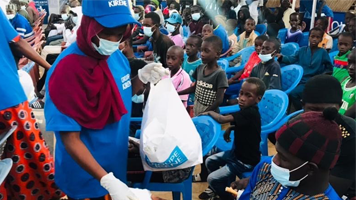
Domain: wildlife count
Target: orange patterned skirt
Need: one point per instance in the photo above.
(32, 173)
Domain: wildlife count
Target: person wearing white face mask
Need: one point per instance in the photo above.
(21, 9)
(196, 26)
(88, 104)
(308, 146)
(268, 70)
(173, 25)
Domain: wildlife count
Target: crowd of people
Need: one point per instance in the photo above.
(100, 57)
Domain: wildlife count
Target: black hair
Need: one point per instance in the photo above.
(176, 5)
(200, 41)
(216, 41)
(197, 6)
(321, 31)
(250, 18)
(294, 14)
(324, 21)
(261, 87)
(154, 17)
(262, 37)
(347, 34)
(276, 42)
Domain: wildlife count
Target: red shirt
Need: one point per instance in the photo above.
(252, 62)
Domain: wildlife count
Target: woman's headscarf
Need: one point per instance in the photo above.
(241, 21)
(82, 86)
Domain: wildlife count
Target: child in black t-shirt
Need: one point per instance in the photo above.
(223, 167)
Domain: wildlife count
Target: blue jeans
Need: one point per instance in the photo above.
(219, 178)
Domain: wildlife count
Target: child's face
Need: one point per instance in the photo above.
(191, 47)
(248, 95)
(344, 44)
(268, 48)
(208, 53)
(207, 32)
(351, 26)
(351, 65)
(319, 24)
(173, 59)
(294, 21)
(258, 45)
(250, 25)
(315, 38)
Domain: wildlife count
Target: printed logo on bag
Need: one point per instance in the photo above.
(176, 158)
(117, 3)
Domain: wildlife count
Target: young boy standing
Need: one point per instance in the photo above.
(340, 60)
(179, 77)
(349, 85)
(173, 25)
(294, 34)
(313, 59)
(245, 153)
(268, 70)
(160, 42)
(211, 79)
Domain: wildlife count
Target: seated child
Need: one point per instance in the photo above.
(307, 148)
(173, 25)
(294, 34)
(349, 85)
(245, 153)
(230, 28)
(247, 38)
(191, 63)
(197, 23)
(340, 60)
(313, 59)
(179, 77)
(211, 79)
(235, 82)
(242, 16)
(207, 31)
(268, 70)
(327, 42)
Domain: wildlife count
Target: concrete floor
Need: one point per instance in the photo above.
(197, 187)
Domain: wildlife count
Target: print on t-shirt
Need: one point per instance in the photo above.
(205, 93)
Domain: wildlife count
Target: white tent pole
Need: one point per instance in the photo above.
(313, 14)
(194, 2)
(293, 4)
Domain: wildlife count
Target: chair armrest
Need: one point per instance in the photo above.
(229, 109)
(231, 70)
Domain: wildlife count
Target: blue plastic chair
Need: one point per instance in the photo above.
(261, 29)
(282, 34)
(335, 47)
(224, 64)
(272, 107)
(305, 39)
(291, 76)
(209, 131)
(332, 55)
(289, 49)
(245, 55)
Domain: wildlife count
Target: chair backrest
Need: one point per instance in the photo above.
(224, 64)
(335, 47)
(289, 49)
(282, 34)
(208, 130)
(272, 107)
(261, 29)
(332, 55)
(305, 39)
(291, 76)
(246, 54)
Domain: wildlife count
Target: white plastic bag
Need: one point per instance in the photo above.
(169, 139)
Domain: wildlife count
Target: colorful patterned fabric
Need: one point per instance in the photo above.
(32, 173)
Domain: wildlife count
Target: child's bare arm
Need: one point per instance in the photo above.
(189, 90)
(218, 101)
(219, 118)
(23, 47)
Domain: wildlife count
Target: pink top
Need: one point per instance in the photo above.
(177, 39)
(181, 81)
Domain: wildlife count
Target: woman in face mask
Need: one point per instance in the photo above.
(88, 104)
(21, 9)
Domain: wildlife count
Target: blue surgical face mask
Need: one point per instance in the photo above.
(75, 20)
(138, 98)
(170, 28)
(64, 16)
(148, 31)
(266, 57)
(137, 16)
(106, 47)
(196, 16)
(282, 175)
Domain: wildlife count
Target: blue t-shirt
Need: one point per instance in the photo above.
(221, 33)
(262, 184)
(11, 92)
(108, 146)
(307, 6)
(22, 26)
(190, 67)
